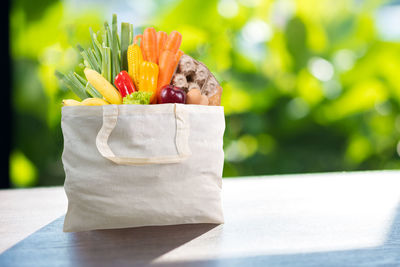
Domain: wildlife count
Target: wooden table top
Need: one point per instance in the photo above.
(333, 219)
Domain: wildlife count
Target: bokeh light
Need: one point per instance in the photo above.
(309, 86)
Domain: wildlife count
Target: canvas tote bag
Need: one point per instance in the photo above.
(141, 165)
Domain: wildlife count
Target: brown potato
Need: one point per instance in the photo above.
(194, 97)
(204, 100)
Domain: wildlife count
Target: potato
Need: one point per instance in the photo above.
(204, 100)
(193, 97)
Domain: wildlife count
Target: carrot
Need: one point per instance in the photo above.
(150, 45)
(178, 55)
(173, 42)
(167, 65)
(139, 36)
(161, 39)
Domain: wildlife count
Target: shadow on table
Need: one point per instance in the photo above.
(49, 246)
(133, 245)
(386, 255)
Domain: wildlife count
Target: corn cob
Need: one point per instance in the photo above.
(148, 79)
(135, 59)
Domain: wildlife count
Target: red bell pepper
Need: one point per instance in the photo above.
(124, 84)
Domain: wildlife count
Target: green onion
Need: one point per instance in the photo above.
(114, 48)
(108, 34)
(89, 58)
(96, 57)
(131, 34)
(125, 42)
(104, 37)
(80, 78)
(106, 63)
(118, 42)
(92, 57)
(106, 55)
(92, 91)
(96, 45)
(89, 88)
(73, 84)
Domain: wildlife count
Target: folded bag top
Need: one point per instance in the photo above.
(140, 165)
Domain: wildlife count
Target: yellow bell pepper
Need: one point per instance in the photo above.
(148, 79)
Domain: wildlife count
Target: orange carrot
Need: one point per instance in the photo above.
(161, 39)
(177, 58)
(173, 42)
(167, 65)
(150, 45)
(178, 55)
(139, 36)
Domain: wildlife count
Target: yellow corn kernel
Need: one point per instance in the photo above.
(135, 58)
(148, 78)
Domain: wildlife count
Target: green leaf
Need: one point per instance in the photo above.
(138, 98)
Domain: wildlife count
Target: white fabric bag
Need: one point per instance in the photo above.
(140, 165)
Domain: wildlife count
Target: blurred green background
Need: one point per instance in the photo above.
(309, 86)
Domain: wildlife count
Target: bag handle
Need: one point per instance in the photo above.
(110, 118)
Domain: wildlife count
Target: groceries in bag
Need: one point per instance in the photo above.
(148, 68)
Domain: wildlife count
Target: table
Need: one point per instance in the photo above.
(332, 219)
